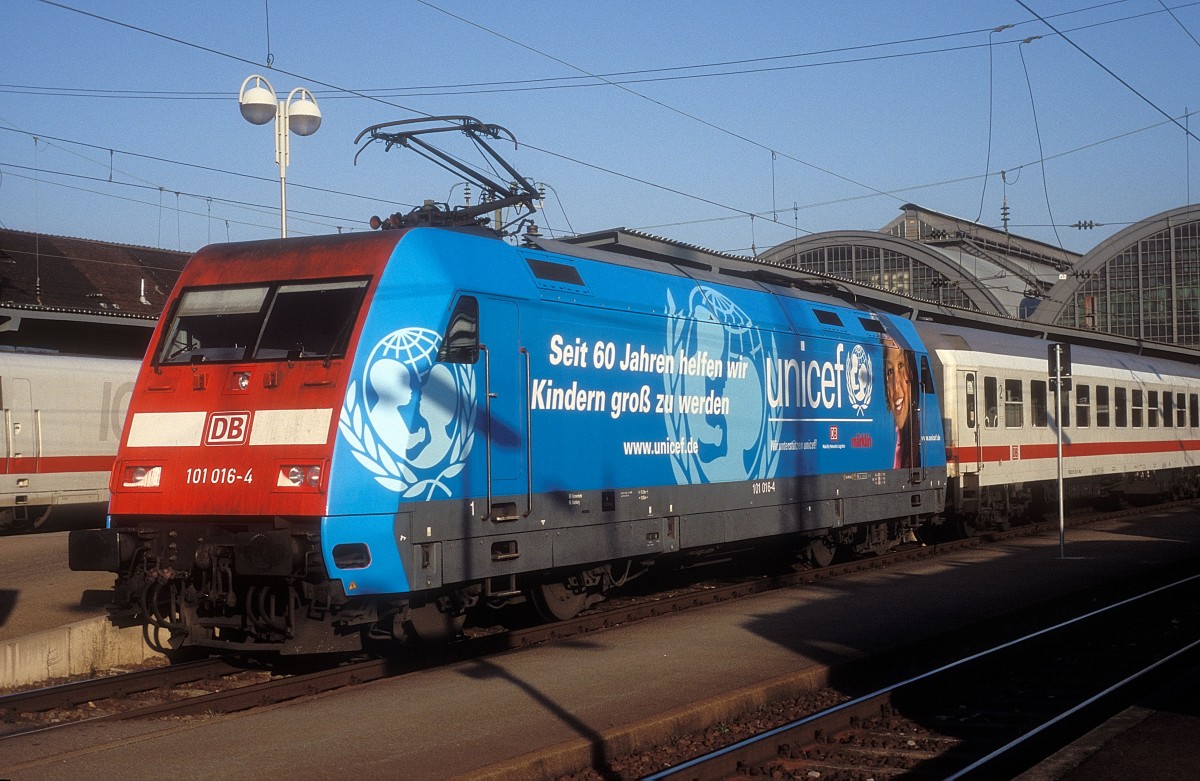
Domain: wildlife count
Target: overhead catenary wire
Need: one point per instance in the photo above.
(1038, 132)
(987, 165)
(515, 85)
(1106, 69)
(641, 180)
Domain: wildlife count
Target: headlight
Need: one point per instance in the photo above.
(299, 476)
(141, 476)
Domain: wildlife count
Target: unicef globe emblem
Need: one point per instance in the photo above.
(408, 419)
(858, 379)
(721, 447)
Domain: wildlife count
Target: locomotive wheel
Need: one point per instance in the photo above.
(820, 553)
(432, 626)
(557, 601)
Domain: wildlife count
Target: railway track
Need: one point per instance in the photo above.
(216, 686)
(988, 714)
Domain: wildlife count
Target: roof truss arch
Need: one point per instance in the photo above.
(980, 297)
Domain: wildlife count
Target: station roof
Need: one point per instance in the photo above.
(66, 275)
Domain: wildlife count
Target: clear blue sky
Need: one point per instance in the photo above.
(814, 116)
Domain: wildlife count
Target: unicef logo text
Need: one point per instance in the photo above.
(408, 419)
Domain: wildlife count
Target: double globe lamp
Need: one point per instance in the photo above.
(299, 114)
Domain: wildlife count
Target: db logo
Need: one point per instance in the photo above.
(227, 428)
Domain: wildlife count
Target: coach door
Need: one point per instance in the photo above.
(925, 394)
(968, 444)
(20, 430)
(506, 413)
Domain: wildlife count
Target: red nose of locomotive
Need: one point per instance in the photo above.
(229, 439)
(234, 410)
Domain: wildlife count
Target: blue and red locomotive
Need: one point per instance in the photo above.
(370, 434)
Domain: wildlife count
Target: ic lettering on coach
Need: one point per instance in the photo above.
(227, 428)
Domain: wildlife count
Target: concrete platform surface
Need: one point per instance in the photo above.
(451, 721)
(1157, 739)
(53, 623)
(38, 591)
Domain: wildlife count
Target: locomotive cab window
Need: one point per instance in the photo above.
(213, 325)
(460, 343)
(263, 322)
(310, 320)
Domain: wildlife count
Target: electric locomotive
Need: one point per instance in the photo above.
(368, 435)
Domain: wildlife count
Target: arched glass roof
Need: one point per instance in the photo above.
(891, 263)
(1143, 282)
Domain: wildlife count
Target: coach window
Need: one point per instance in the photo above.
(1102, 409)
(461, 342)
(1038, 408)
(1152, 409)
(991, 402)
(1180, 411)
(1194, 410)
(1137, 403)
(1121, 402)
(1083, 406)
(1168, 418)
(1064, 407)
(1013, 404)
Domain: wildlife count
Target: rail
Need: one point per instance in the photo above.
(986, 738)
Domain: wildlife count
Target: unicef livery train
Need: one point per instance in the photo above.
(370, 434)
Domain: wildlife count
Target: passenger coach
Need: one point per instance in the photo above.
(1130, 424)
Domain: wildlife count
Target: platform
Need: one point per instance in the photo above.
(52, 620)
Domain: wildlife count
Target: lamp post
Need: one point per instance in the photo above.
(299, 114)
